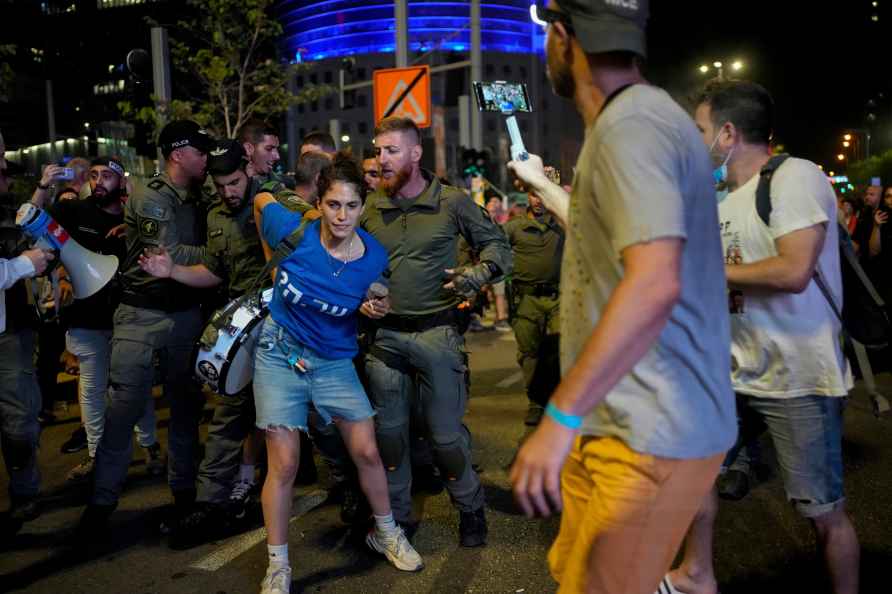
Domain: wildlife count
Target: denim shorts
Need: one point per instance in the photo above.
(807, 436)
(283, 392)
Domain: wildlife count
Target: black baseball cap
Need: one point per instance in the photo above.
(608, 25)
(180, 133)
(226, 157)
(110, 162)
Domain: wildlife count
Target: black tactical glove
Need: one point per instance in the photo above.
(467, 280)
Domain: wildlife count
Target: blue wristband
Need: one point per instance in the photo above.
(569, 421)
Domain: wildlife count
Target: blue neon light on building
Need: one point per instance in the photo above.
(320, 29)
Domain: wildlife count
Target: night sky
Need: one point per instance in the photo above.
(822, 62)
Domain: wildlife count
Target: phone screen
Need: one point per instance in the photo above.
(502, 96)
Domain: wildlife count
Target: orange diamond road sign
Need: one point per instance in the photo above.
(403, 92)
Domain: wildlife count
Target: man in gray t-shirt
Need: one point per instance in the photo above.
(633, 438)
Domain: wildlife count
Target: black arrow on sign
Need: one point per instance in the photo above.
(405, 93)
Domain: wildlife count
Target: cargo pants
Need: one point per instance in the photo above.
(138, 334)
(436, 360)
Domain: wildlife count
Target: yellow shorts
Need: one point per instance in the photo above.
(625, 516)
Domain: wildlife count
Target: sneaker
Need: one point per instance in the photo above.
(733, 485)
(77, 441)
(472, 528)
(277, 580)
(502, 326)
(476, 324)
(82, 471)
(154, 462)
(240, 499)
(396, 547)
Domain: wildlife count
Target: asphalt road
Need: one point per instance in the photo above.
(761, 544)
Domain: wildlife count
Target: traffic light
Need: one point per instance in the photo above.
(474, 162)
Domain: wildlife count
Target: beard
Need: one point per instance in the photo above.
(391, 186)
(104, 199)
(562, 82)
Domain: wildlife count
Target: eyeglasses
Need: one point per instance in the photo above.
(545, 16)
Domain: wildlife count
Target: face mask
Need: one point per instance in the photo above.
(720, 173)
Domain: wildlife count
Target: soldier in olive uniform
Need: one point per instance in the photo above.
(234, 258)
(537, 242)
(419, 221)
(156, 316)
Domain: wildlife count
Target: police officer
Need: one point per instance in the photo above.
(537, 243)
(156, 316)
(234, 258)
(419, 221)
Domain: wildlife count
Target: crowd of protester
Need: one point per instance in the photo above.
(687, 326)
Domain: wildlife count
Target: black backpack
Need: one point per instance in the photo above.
(864, 316)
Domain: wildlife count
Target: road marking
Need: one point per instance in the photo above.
(242, 543)
(509, 381)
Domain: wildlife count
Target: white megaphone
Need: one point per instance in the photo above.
(88, 271)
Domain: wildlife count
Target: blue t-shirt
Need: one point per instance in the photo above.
(315, 306)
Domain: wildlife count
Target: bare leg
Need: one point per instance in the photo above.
(252, 448)
(839, 545)
(501, 308)
(359, 437)
(696, 574)
(283, 454)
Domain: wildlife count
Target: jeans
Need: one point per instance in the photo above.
(19, 405)
(807, 436)
(93, 351)
(138, 334)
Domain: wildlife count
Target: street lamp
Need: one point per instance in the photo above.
(736, 66)
(840, 157)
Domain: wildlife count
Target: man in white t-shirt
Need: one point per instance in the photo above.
(787, 366)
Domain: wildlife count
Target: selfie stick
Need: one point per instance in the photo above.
(518, 151)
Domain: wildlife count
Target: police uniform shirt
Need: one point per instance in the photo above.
(421, 237)
(234, 252)
(159, 214)
(537, 246)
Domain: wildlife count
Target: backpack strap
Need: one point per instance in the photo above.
(763, 191)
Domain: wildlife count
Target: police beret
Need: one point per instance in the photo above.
(226, 157)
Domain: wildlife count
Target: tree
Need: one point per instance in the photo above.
(6, 73)
(880, 166)
(230, 51)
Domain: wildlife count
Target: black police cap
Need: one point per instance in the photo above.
(226, 157)
(180, 133)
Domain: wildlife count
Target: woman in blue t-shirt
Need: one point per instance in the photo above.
(304, 356)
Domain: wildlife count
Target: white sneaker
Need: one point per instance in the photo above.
(396, 547)
(277, 580)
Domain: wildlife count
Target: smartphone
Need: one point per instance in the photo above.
(502, 96)
(67, 174)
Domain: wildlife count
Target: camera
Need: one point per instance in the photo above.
(67, 174)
